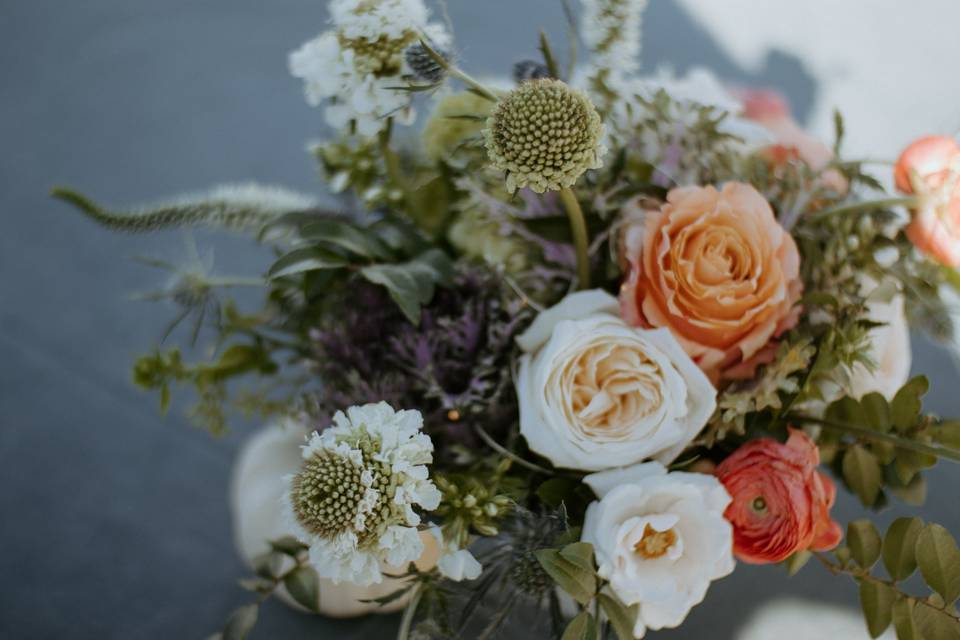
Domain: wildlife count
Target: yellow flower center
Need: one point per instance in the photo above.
(655, 544)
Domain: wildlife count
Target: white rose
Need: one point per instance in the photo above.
(659, 538)
(595, 393)
(889, 349)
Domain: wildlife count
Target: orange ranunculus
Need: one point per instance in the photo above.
(781, 503)
(930, 168)
(717, 270)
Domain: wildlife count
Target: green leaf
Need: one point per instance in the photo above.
(579, 582)
(899, 547)
(269, 564)
(240, 207)
(846, 410)
(939, 561)
(903, 620)
(305, 259)
(947, 433)
(304, 587)
(913, 493)
(581, 628)
(412, 284)
(343, 235)
(622, 618)
(554, 491)
(876, 599)
(579, 554)
(864, 542)
(797, 561)
(876, 412)
(906, 406)
(935, 624)
(241, 622)
(862, 472)
(288, 545)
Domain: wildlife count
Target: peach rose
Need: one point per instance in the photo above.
(717, 270)
(781, 503)
(930, 168)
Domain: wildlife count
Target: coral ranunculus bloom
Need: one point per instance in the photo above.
(930, 168)
(717, 270)
(781, 503)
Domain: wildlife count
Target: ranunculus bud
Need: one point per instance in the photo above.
(781, 503)
(930, 168)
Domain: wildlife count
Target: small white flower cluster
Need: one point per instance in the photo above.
(611, 30)
(358, 65)
(352, 501)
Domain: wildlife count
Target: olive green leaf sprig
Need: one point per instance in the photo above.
(908, 545)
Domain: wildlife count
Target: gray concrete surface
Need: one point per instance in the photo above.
(114, 520)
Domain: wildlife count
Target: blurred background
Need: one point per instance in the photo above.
(115, 522)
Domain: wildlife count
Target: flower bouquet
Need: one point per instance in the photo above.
(573, 347)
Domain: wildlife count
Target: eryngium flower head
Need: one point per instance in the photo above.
(529, 70)
(352, 500)
(423, 66)
(544, 135)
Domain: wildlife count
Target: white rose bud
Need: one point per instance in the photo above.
(595, 393)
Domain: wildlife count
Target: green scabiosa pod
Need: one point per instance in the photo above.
(246, 207)
(544, 134)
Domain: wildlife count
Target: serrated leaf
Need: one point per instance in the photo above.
(411, 284)
(581, 627)
(864, 542)
(622, 618)
(241, 622)
(862, 472)
(580, 583)
(876, 412)
(304, 587)
(899, 547)
(939, 560)
(903, 620)
(306, 259)
(876, 599)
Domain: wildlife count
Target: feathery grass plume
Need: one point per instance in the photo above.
(243, 207)
(611, 31)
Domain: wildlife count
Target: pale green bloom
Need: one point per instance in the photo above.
(544, 135)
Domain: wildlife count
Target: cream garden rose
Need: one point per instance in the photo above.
(660, 539)
(595, 393)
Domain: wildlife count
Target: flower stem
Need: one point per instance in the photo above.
(493, 444)
(578, 226)
(867, 434)
(403, 633)
(458, 73)
(868, 205)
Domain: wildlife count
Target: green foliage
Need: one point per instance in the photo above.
(387, 253)
(241, 622)
(907, 544)
(582, 627)
(303, 585)
(237, 207)
(159, 371)
(572, 569)
(474, 502)
(621, 617)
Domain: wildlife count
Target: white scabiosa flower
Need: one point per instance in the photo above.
(595, 393)
(660, 539)
(357, 66)
(353, 499)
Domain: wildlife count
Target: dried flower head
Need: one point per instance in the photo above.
(352, 500)
(423, 66)
(529, 70)
(544, 135)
